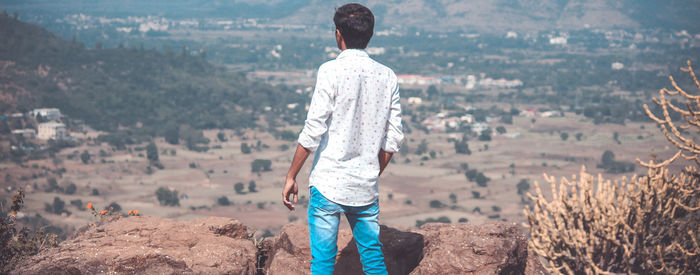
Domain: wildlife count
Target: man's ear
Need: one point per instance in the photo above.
(339, 39)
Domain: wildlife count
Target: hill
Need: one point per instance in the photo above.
(121, 86)
(432, 15)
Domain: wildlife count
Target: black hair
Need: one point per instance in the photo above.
(355, 23)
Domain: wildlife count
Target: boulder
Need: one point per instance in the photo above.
(463, 248)
(150, 245)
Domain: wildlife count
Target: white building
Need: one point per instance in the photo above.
(26, 133)
(558, 40)
(47, 113)
(52, 130)
(415, 100)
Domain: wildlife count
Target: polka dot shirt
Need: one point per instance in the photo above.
(354, 112)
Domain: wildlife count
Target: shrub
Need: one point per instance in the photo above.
(114, 207)
(476, 194)
(17, 244)
(70, 190)
(57, 207)
(167, 197)
(453, 198)
(463, 220)
(436, 204)
(78, 204)
(441, 219)
(644, 225)
(261, 165)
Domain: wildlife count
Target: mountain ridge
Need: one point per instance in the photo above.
(430, 15)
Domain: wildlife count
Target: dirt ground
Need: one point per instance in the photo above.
(406, 188)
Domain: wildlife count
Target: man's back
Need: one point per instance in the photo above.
(354, 113)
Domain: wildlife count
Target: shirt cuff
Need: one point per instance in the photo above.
(307, 142)
(390, 146)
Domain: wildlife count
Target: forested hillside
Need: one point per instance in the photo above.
(124, 86)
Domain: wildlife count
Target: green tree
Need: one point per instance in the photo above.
(85, 157)
(461, 147)
(485, 135)
(172, 134)
(239, 187)
(422, 148)
(453, 198)
(564, 136)
(523, 186)
(261, 165)
(221, 136)
(252, 187)
(579, 136)
(167, 197)
(607, 159)
(501, 130)
(436, 204)
(471, 174)
(152, 152)
(482, 180)
(223, 201)
(432, 91)
(245, 149)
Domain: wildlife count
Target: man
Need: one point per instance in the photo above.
(354, 125)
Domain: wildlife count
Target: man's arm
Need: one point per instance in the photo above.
(290, 185)
(310, 137)
(394, 134)
(384, 158)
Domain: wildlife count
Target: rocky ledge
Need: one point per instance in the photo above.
(152, 245)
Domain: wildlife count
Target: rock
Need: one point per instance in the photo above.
(464, 248)
(150, 245)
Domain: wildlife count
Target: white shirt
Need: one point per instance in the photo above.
(354, 112)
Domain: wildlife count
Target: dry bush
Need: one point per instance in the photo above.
(647, 224)
(16, 243)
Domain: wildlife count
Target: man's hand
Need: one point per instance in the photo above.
(290, 188)
(384, 158)
(290, 185)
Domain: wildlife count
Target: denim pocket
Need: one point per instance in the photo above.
(318, 201)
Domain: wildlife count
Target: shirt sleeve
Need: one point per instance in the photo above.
(320, 110)
(394, 133)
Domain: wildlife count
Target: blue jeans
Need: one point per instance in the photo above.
(324, 217)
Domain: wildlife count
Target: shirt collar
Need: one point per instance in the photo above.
(352, 53)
